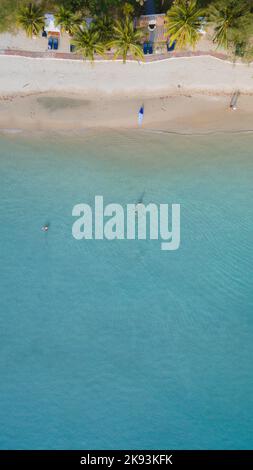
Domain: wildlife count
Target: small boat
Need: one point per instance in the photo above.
(45, 227)
(141, 115)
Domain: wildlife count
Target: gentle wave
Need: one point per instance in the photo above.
(11, 131)
(197, 134)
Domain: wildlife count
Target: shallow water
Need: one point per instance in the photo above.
(118, 344)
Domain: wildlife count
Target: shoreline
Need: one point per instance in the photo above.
(178, 114)
(183, 95)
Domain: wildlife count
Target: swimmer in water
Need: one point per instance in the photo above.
(45, 228)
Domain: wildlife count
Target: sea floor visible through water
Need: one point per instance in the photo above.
(117, 344)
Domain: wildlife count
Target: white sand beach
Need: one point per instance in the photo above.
(179, 94)
(191, 74)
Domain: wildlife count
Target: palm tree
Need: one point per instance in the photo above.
(31, 18)
(128, 9)
(104, 26)
(232, 20)
(141, 2)
(126, 40)
(67, 19)
(87, 41)
(183, 22)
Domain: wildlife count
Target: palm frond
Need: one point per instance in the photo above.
(183, 23)
(126, 40)
(231, 18)
(87, 41)
(31, 18)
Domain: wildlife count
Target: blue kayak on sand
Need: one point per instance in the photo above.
(141, 115)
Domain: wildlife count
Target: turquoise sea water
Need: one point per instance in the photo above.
(109, 345)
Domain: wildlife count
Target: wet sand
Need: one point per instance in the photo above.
(183, 113)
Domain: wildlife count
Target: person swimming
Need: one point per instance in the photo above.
(139, 203)
(45, 228)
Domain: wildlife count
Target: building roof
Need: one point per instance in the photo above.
(50, 26)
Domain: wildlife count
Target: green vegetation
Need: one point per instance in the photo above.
(128, 9)
(229, 22)
(183, 23)
(87, 42)
(233, 25)
(31, 18)
(92, 7)
(126, 40)
(67, 19)
(104, 26)
(8, 9)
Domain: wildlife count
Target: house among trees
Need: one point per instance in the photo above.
(154, 31)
